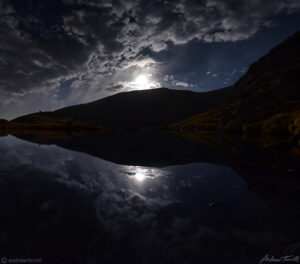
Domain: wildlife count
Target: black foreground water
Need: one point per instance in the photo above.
(66, 206)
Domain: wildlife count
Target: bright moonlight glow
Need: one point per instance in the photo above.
(139, 176)
(142, 82)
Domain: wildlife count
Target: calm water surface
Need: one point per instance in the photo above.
(64, 206)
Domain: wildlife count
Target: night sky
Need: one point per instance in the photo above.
(56, 53)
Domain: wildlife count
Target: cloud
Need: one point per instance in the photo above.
(95, 43)
(184, 84)
(116, 87)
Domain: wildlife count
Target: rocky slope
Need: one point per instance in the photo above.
(265, 100)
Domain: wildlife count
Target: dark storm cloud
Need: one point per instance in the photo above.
(45, 43)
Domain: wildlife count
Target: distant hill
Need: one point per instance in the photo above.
(45, 121)
(145, 108)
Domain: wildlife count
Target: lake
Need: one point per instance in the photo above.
(146, 198)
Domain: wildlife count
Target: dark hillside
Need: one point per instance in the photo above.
(146, 108)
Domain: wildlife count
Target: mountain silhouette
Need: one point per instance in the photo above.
(265, 100)
(145, 108)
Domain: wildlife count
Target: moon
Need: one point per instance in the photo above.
(142, 82)
(140, 176)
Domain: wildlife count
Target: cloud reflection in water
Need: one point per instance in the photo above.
(157, 211)
(140, 174)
